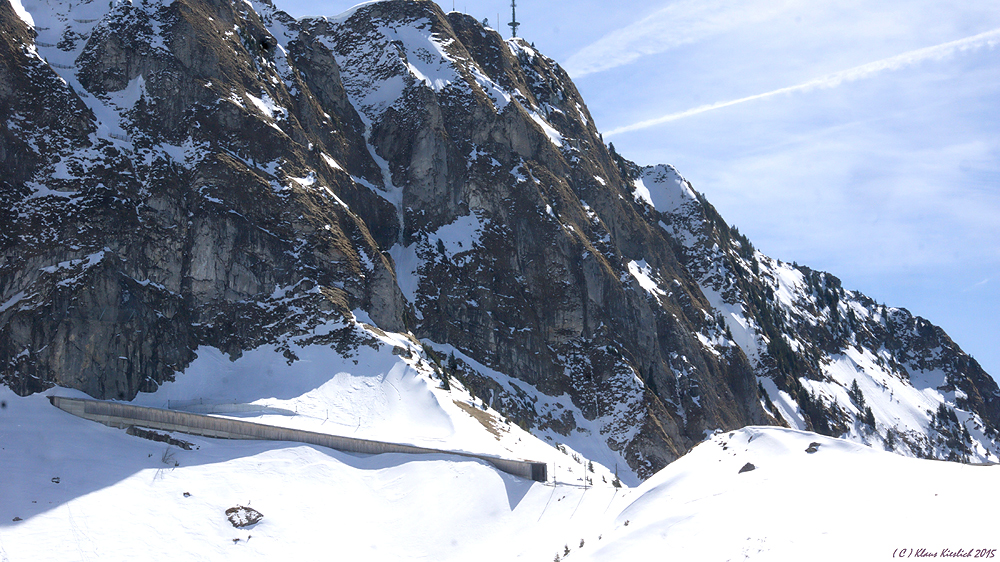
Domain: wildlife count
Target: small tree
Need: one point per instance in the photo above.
(890, 440)
(856, 395)
(869, 416)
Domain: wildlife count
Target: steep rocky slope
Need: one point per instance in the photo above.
(828, 359)
(169, 198)
(218, 174)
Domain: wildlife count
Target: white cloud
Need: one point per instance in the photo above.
(679, 23)
(978, 285)
(937, 52)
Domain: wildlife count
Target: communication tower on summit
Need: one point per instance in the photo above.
(513, 18)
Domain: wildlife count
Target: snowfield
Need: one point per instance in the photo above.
(843, 501)
(122, 498)
(83, 491)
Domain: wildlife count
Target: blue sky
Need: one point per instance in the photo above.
(854, 137)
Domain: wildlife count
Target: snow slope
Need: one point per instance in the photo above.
(842, 502)
(120, 497)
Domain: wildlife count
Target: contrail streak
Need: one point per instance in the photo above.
(680, 23)
(986, 39)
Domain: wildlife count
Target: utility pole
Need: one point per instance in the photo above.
(513, 19)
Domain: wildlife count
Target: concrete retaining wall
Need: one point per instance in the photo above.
(124, 415)
(202, 407)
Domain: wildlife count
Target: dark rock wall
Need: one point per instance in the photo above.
(126, 262)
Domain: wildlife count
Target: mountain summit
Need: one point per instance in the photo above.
(216, 175)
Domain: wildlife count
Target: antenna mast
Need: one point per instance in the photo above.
(513, 18)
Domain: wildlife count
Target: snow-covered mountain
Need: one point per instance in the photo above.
(210, 201)
(827, 359)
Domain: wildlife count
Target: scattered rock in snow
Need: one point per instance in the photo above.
(16, 519)
(55, 479)
(241, 516)
(813, 447)
(747, 468)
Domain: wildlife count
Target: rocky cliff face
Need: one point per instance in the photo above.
(215, 173)
(828, 359)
